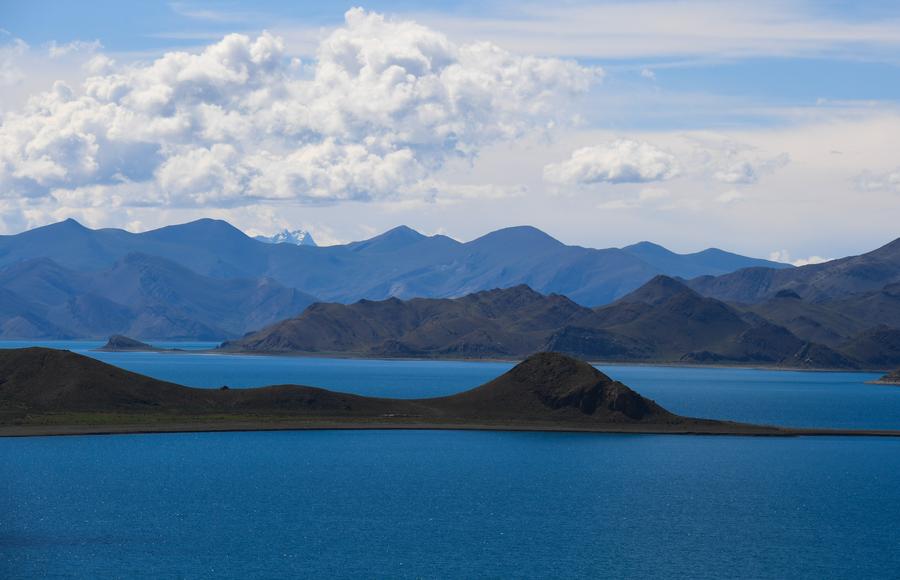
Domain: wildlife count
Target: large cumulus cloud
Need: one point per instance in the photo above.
(619, 161)
(384, 105)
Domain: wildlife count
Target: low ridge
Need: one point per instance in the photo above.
(47, 391)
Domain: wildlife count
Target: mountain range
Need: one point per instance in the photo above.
(663, 321)
(208, 280)
(817, 283)
(137, 295)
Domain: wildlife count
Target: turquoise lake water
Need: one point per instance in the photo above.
(387, 504)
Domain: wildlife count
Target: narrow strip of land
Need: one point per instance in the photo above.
(727, 429)
(54, 392)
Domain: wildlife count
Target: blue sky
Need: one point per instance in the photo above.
(842, 71)
(692, 123)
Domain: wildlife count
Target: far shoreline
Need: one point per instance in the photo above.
(362, 356)
(722, 430)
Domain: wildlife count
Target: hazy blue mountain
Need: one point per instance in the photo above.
(818, 283)
(710, 262)
(295, 237)
(138, 295)
(400, 262)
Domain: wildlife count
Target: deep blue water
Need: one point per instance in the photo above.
(449, 505)
(465, 504)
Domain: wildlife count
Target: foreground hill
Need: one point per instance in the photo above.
(138, 295)
(816, 283)
(663, 321)
(400, 262)
(45, 391)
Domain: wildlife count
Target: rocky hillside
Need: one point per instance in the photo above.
(663, 321)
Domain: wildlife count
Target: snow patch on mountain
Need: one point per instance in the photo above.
(296, 237)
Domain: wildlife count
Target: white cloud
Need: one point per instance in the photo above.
(653, 198)
(648, 74)
(11, 53)
(729, 197)
(384, 105)
(619, 161)
(732, 162)
(693, 29)
(55, 50)
(885, 181)
(747, 171)
(785, 257)
(653, 194)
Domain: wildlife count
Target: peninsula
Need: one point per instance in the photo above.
(56, 392)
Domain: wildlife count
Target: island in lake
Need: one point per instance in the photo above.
(892, 378)
(56, 392)
(120, 343)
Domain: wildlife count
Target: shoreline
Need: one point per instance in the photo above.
(513, 360)
(719, 430)
(359, 356)
(57, 392)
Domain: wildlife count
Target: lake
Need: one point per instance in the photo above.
(465, 504)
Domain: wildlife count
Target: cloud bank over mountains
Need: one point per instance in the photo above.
(384, 106)
(714, 123)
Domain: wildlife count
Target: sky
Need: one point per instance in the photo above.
(767, 128)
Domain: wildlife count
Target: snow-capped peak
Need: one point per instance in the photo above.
(296, 237)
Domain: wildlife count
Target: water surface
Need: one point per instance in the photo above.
(464, 504)
(430, 504)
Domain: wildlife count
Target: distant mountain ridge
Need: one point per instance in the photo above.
(703, 263)
(817, 283)
(139, 296)
(401, 262)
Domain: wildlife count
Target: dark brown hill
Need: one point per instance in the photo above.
(669, 321)
(879, 307)
(53, 392)
(40, 380)
(663, 321)
(557, 384)
(545, 388)
(671, 317)
(825, 323)
(877, 348)
(46, 380)
(507, 322)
